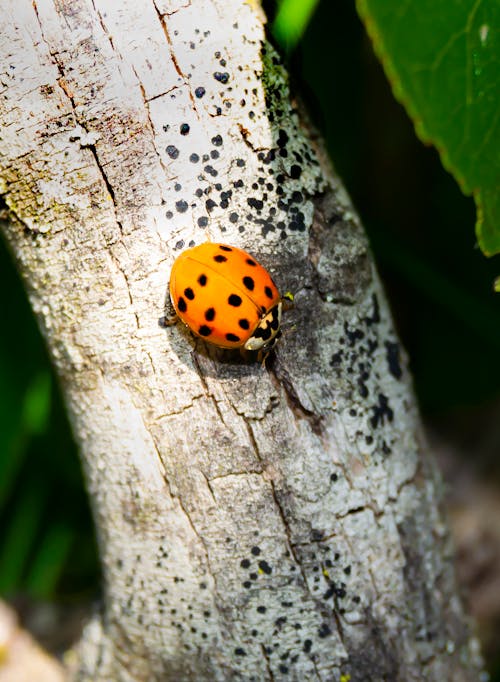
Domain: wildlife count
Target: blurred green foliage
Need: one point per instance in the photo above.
(47, 547)
(421, 229)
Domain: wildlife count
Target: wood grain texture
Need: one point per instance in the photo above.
(254, 524)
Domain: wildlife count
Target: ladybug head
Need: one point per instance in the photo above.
(268, 330)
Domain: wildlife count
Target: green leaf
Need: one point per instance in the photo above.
(291, 21)
(442, 58)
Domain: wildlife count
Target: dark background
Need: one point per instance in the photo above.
(441, 291)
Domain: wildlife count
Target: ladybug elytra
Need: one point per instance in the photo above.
(225, 297)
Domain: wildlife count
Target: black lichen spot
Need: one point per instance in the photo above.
(181, 206)
(333, 477)
(255, 551)
(240, 163)
(295, 172)
(202, 222)
(233, 217)
(235, 301)
(353, 336)
(324, 631)
(194, 158)
(247, 584)
(307, 645)
(374, 318)
(393, 359)
(232, 337)
(202, 280)
(181, 305)
(283, 668)
(199, 92)
(251, 262)
(381, 411)
(264, 567)
(172, 151)
(189, 293)
(245, 563)
(219, 258)
(244, 323)
(249, 283)
(184, 129)
(268, 292)
(329, 593)
(255, 203)
(210, 314)
(261, 609)
(210, 204)
(282, 138)
(217, 140)
(222, 77)
(240, 652)
(204, 330)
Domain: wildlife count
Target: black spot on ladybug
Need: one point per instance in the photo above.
(244, 323)
(202, 280)
(224, 248)
(251, 262)
(249, 283)
(220, 259)
(232, 337)
(268, 292)
(189, 293)
(209, 314)
(182, 305)
(275, 323)
(234, 300)
(204, 330)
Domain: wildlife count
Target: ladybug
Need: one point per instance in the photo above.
(228, 299)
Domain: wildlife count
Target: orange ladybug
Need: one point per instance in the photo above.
(224, 296)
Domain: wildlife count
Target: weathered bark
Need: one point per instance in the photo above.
(254, 524)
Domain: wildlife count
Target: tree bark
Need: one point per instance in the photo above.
(277, 523)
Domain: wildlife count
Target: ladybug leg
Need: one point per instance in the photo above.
(170, 317)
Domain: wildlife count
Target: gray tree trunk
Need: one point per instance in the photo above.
(275, 523)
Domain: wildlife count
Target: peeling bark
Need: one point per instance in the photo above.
(254, 524)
